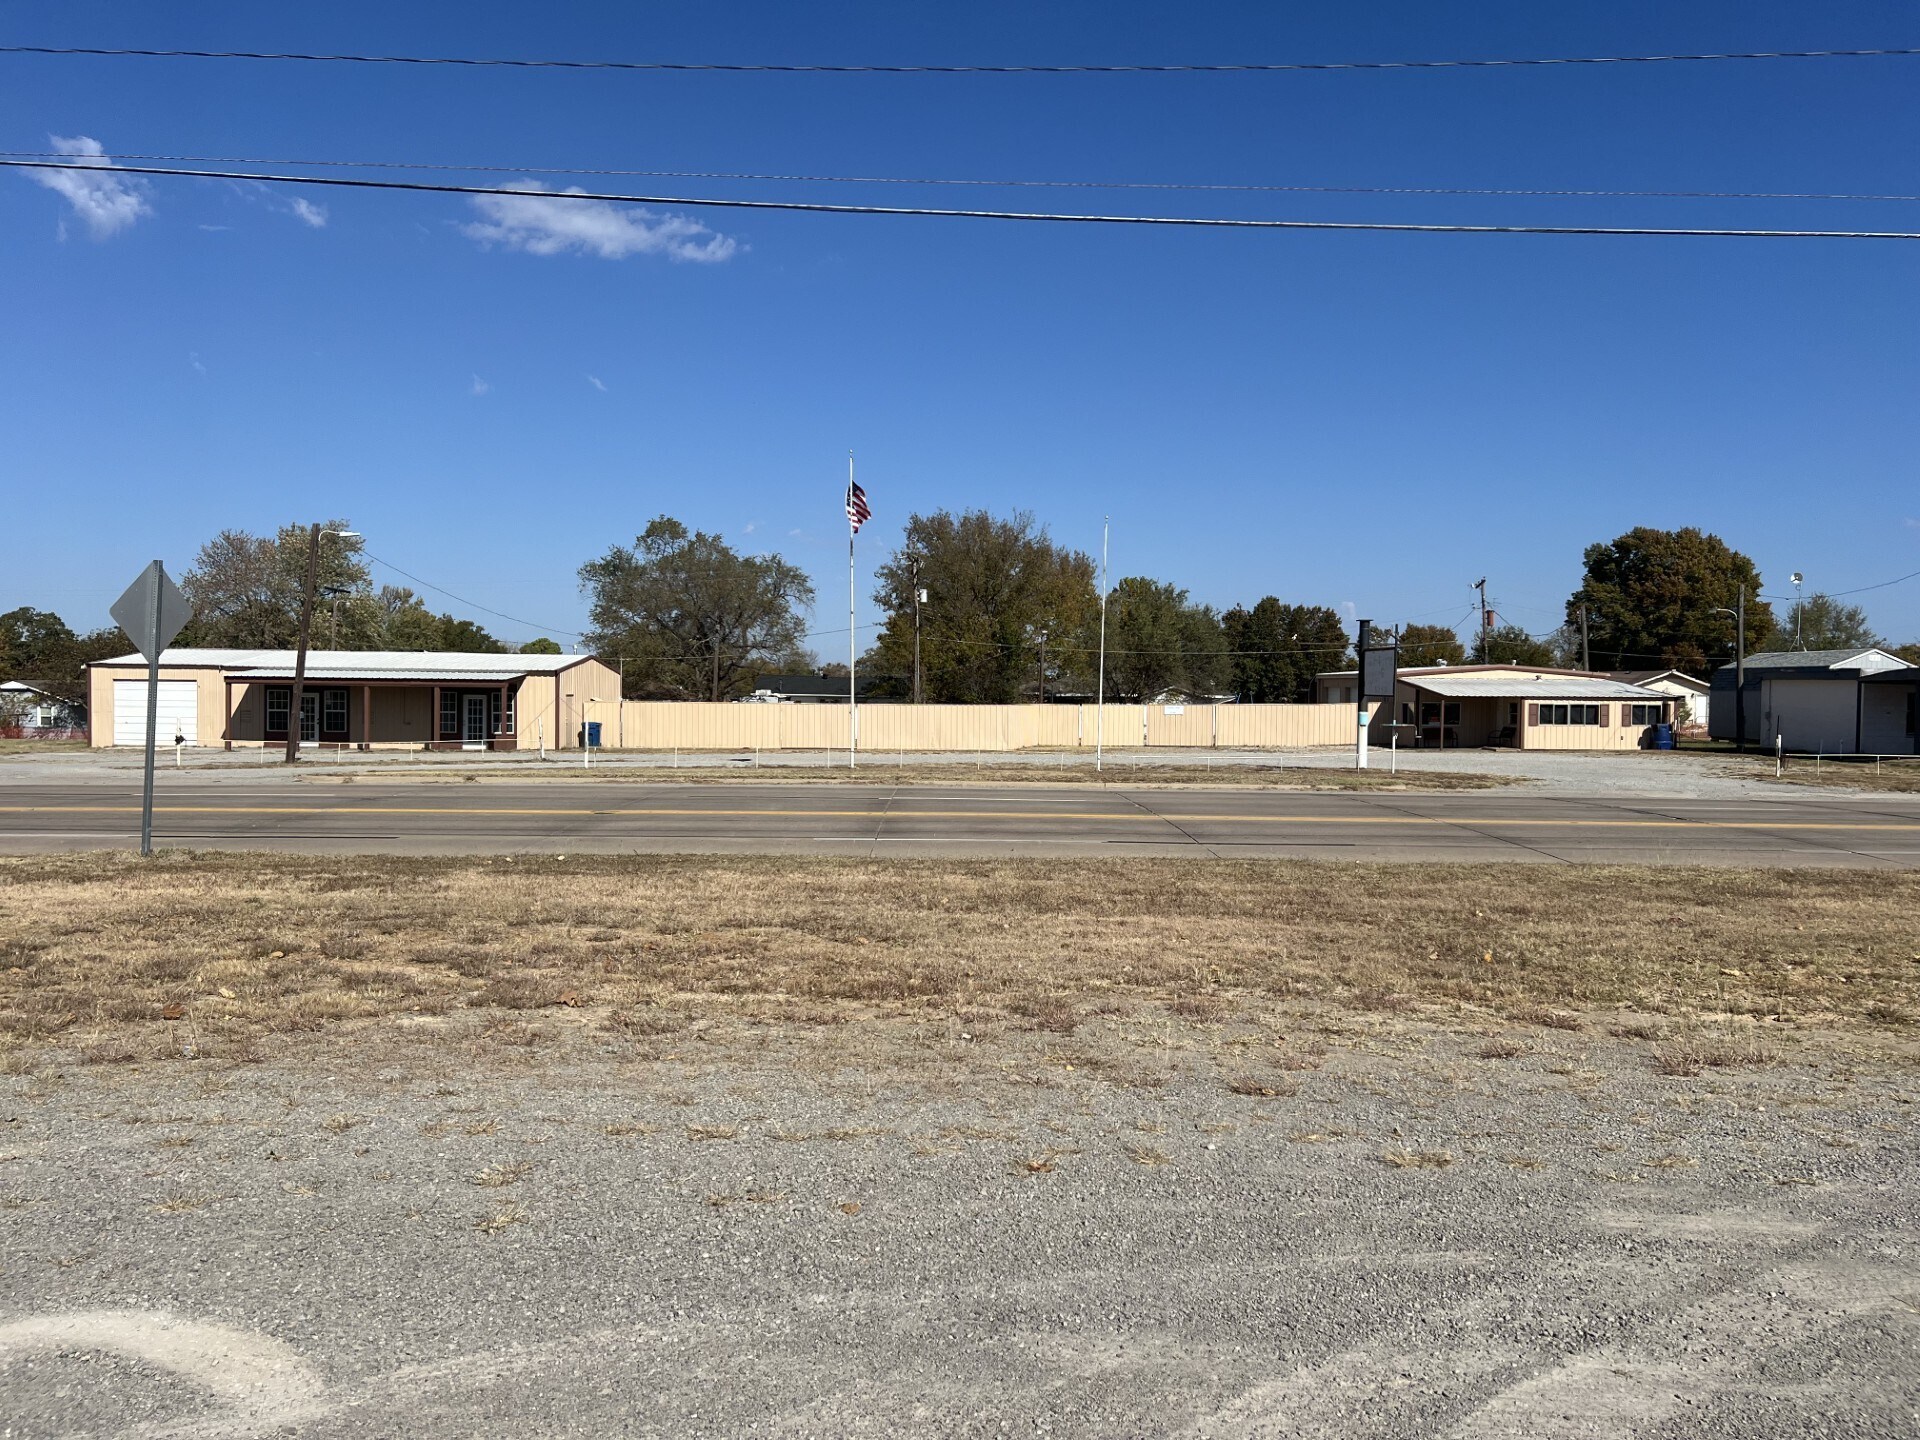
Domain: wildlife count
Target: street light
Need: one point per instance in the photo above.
(1739, 616)
(306, 630)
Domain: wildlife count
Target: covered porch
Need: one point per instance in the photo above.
(368, 712)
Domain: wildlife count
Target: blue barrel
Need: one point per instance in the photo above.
(593, 734)
(1663, 737)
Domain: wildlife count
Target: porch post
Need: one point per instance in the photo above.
(500, 729)
(229, 729)
(433, 722)
(366, 717)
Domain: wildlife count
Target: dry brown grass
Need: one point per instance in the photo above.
(1899, 777)
(42, 747)
(100, 948)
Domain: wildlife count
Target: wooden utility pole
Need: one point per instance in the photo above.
(1486, 623)
(306, 631)
(1043, 667)
(1586, 656)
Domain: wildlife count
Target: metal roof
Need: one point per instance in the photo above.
(1644, 677)
(1866, 657)
(1525, 686)
(369, 664)
(320, 675)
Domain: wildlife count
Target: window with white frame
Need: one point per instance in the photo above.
(449, 712)
(279, 707)
(334, 717)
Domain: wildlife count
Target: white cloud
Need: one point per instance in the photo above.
(307, 212)
(540, 223)
(215, 229)
(193, 357)
(597, 383)
(106, 201)
(749, 527)
(480, 387)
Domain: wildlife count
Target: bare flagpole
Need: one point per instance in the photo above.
(1100, 693)
(853, 635)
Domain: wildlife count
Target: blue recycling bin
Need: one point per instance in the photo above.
(593, 734)
(1663, 737)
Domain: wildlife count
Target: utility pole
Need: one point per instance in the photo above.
(306, 629)
(307, 593)
(1739, 617)
(1586, 655)
(1740, 669)
(919, 595)
(1043, 667)
(1486, 623)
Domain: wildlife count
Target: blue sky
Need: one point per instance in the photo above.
(1371, 421)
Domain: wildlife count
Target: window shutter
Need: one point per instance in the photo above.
(1606, 715)
(1533, 712)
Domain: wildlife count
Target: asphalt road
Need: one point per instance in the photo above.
(1796, 828)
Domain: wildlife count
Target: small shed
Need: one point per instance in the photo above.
(1806, 700)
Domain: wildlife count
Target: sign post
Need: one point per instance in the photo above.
(1378, 673)
(152, 612)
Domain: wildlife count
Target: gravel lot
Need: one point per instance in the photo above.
(557, 1230)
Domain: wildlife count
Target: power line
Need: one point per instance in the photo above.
(471, 604)
(822, 208)
(793, 69)
(1857, 590)
(1181, 185)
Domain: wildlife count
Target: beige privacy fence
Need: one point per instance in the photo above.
(671, 725)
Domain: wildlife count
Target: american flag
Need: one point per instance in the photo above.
(858, 512)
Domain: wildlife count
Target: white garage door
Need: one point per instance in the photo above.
(179, 711)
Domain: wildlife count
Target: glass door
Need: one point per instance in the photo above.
(309, 718)
(473, 732)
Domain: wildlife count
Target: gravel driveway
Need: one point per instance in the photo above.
(478, 1236)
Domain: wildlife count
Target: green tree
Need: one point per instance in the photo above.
(1430, 645)
(38, 648)
(690, 615)
(1158, 643)
(1908, 653)
(246, 590)
(1651, 597)
(1821, 622)
(1510, 645)
(993, 585)
(1275, 649)
(542, 646)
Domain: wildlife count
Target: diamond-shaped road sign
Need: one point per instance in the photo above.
(152, 611)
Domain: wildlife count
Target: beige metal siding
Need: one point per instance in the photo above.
(667, 725)
(210, 693)
(1614, 734)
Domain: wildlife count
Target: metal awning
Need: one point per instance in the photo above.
(1529, 687)
(362, 677)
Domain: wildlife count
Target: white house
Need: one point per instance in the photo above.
(1695, 696)
(1806, 700)
(30, 709)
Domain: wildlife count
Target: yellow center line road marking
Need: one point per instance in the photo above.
(1120, 817)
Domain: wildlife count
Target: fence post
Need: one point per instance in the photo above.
(1779, 753)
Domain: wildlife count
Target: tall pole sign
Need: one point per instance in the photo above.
(152, 612)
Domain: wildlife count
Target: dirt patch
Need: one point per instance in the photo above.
(198, 955)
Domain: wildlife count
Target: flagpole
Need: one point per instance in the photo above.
(1100, 694)
(853, 635)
